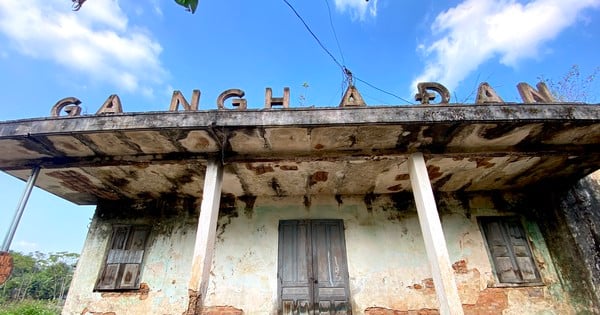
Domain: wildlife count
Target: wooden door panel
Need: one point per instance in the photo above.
(313, 273)
(329, 262)
(294, 262)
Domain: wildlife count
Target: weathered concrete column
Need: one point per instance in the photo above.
(435, 243)
(205, 235)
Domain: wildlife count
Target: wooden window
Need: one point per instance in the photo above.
(510, 251)
(313, 274)
(122, 266)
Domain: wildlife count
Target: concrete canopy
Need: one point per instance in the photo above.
(303, 151)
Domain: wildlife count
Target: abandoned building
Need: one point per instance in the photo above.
(485, 208)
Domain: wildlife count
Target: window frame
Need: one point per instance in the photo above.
(127, 255)
(515, 222)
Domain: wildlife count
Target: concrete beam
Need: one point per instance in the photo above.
(435, 242)
(197, 120)
(205, 234)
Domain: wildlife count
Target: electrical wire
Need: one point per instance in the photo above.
(334, 32)
(313, 35)
(384, 91)
(348, 75)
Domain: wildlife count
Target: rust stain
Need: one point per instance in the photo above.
(460, 266)
(434, 172)
(416, 286)
(402, 177)
(426, 286)
(260, 168)
(428, 283)
(289, 167)
(319, 146)
(202, 142)
(483, 162)
(319, 176)
(395, 188)
(80, 183)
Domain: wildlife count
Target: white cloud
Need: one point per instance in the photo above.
(26, 246)
(96, 41)
(357, 8)
(156, 8)
(477, 30)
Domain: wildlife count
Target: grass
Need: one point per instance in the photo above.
(30, 307)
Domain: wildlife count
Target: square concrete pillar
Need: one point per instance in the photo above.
(435, 243)
(205, 235)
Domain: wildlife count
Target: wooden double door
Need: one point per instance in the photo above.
(313, 270)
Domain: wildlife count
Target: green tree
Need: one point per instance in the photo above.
(39, 276)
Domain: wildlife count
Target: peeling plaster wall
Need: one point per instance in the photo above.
(164, 274)
(388, 267)
(387, 263)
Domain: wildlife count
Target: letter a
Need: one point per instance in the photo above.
(112, 105)
(486, 94)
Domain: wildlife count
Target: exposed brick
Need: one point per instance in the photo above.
(221, 310)
(460, 266)
(491, 301)
(428, 311)
(387, 311)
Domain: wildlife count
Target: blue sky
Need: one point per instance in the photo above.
(142, 50)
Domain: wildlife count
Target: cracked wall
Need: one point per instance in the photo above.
(387, 263)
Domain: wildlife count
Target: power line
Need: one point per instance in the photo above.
(334, 32)
(384, 91)
(313, 34)
(349, 76)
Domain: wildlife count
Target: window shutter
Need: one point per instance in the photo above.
(500, 250)
(132, 258)
(124, 258)
(508, 246)
(522, 252)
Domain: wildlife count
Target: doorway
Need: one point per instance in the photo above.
(312, 268)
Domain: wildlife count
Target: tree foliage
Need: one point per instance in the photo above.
(189, 5)
(39, 276)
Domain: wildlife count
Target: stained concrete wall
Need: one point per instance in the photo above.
(387, 263)
(570, 219)
(165, 269)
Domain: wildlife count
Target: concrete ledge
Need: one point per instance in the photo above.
(303, 117)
